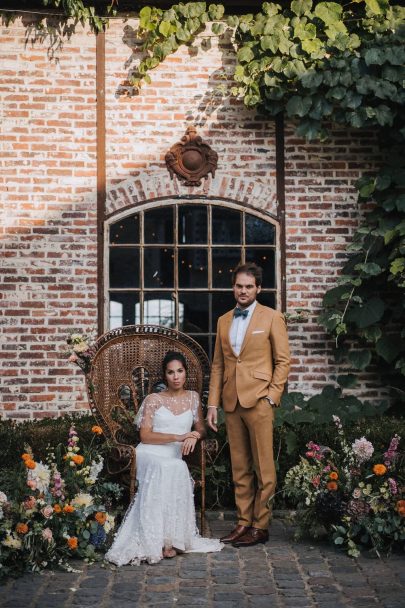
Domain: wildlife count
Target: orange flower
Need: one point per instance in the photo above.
(379, 469)
(25, 456)
(100, 517)
(332, 486)
(68, 508)
(97, 430)
(72, 542)
(333, 475)
(400, 507)
(29, 463)
(21, 528)
(57, 508)
(77, 459)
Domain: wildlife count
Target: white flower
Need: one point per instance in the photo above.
(3, 498)
(363, 449)
(109, 523)
(81, 348)
(82, 500)
(95, 469)
(41, 475)
(11, 541)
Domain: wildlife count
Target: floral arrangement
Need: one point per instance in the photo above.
(81, 350)
(60, 510)
(354, 494)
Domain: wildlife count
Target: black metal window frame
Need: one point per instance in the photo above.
(271, 295)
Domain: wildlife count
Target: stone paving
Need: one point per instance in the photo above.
(279, 574)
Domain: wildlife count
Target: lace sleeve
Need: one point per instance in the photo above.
(146, 413)
(195, 406)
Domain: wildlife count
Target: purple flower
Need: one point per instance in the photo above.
(393, 486)
(391, 453)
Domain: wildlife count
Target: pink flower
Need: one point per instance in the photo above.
(316, 481)
(309, 454)
(47, 511)
(47, 534)
(30, 503)
(73, 358)
(32, 484)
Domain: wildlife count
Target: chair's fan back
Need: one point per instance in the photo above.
(126, 367)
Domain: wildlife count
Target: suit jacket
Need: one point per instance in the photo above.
(260, 370)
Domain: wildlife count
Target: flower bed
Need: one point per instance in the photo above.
(354, 494)
(60, 509)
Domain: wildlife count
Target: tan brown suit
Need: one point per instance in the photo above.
(242, 383)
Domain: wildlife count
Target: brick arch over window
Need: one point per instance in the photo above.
(170, 261)
(153, 185)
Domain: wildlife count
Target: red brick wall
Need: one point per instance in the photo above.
(48, 234)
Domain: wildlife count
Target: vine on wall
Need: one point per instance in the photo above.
(321, 63)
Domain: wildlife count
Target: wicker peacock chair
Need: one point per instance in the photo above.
(125, 367)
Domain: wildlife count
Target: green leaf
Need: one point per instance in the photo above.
(311, 79)
(269, 43)
(369, 268)
(328, 12)
(371, 312)
(368, 189)
(389, 347)
(218, 28)
(145, 14)
(165, 28)
(339, 540)
(298, 106)
(245, 54)
(86, 534)
(360, 359)
(347, 381)
(378, 7)
(291, 441)
(301, 7)
(333, 296)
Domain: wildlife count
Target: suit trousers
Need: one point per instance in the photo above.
(250, 435)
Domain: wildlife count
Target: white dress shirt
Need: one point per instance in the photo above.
(238, 328)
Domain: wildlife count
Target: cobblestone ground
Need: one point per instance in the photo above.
(279, 574)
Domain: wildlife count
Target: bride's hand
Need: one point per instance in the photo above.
(188, 445)
(191, 435)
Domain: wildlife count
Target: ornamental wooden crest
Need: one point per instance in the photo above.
(191, 159)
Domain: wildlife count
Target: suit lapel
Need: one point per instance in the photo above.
(254, 322)
(227, 328)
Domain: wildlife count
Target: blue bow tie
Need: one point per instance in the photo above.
(238, 312)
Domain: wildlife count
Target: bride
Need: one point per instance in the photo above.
(160, 522)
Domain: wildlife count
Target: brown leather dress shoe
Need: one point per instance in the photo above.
(254, 536)
(235, 534)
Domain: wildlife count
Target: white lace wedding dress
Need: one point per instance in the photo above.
(162, 513)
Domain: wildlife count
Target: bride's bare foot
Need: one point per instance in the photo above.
(169, 552)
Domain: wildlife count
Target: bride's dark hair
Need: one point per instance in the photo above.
(173, 355)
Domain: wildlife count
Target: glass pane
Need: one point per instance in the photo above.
(259, 232)
(226, 226)
(158, 226)
(192, 224)
(266, 259)
(223, 263)
(123, 309)
(158, 267)
(125, 231)
(159, 309)
(193, 312)
(267, 298)
(221, 303)
(124, 267)
(193, 268)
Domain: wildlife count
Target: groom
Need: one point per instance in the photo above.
(249, 371)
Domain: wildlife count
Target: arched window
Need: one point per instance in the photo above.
(171, 265)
